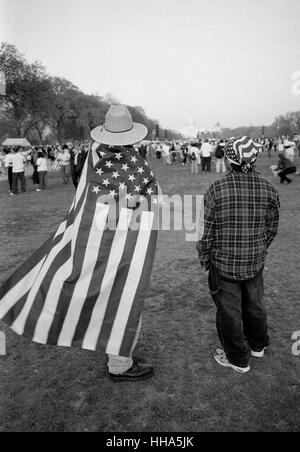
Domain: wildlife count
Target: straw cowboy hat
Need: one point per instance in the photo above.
(119, 129)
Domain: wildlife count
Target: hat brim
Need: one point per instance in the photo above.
(134, 135)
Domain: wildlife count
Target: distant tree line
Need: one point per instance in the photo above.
(45, 109)
(288, 125)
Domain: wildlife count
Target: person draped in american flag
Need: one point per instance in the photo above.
(85, 287)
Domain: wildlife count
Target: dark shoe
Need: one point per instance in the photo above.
(138, 371)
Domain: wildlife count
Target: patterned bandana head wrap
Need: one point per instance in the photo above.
(243, 153)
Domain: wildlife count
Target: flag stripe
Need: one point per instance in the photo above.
(83, 283)
(83, 181)
(61, 229)
(18, 325)
(40, 298)
(80, 237)
(130, 288)
(19, 289)
(135, 313)
(116, 252)
(15, 310)
(94, 289)
(116, 293)
(77, 209)
(49, 312)
(35, 260)
(95, 156)
(63, 269)
(21, 281)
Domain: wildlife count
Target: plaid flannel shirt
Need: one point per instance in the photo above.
(241, 216)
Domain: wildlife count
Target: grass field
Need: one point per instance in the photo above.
(54, 389)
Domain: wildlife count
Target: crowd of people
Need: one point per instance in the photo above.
(200, 156)
(66, 159)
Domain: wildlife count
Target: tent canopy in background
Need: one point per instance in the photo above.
(23, 142)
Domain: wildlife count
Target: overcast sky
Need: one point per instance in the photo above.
(220, 60)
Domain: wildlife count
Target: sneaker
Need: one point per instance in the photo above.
(260, 354)
(38, 189)
(221, 359)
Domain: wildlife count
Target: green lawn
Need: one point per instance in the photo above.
(54, 389)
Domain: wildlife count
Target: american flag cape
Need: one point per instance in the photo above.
(85, 287)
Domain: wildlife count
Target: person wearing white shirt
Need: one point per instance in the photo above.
(166, 154)
(289, 147)
(18, 171)
(63, 157)
(280, 146)
(42, 170)
(206, 155)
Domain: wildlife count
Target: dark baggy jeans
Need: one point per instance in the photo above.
(35, 175)
(10, 177)
(16, 177)
(206, 164)
(241, 316)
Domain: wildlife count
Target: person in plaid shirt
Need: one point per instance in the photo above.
(241, 216)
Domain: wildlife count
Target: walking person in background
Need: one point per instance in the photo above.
(34, 157)
(178, 152)
(285, 167)
(193, 151)
(143, 151)
(73, 164)
(158, 151)
(206, 155)
(220, 158)
(63, 158)
(77, 161)
(185, 153)
(9, 168)
(241, 216)
(42, 171)
(173, 153)
(28, 158)
(166, 154)
(51, 153)
(270, 147)
(18, 171)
